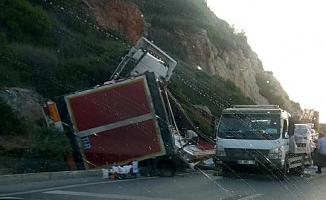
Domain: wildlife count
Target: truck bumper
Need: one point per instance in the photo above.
(262, 163)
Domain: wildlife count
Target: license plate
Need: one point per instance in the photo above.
(246, 162)
(301, 149)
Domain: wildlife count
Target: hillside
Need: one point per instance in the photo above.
(190, 32)
(53, 48)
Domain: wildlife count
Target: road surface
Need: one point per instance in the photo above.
(191, 185)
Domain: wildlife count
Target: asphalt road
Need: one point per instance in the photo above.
(192, 185)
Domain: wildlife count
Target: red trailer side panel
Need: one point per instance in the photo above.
(109, 104)
(124, 144)
(116, 123)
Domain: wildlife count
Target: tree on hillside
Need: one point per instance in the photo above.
(22, 22)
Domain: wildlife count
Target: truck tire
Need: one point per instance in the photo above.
(297, 171)
(166, 168)
(225, 169)
(215, 162)
(284, 171)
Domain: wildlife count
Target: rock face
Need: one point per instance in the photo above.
(27, 103)
(231, 65)
(120, 16)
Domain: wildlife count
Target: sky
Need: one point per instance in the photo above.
(289, 37)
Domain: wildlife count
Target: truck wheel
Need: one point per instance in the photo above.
(297, 171)
(227, 169)
(215, 162)
(166, 168)
(282, 173)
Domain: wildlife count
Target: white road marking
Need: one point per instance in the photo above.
(250, 197)
(115, 196)
(75, 185)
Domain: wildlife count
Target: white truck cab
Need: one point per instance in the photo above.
(255, 135)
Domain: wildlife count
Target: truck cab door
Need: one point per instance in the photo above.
(285, 135)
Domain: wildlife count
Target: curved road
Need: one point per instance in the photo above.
(191, 185)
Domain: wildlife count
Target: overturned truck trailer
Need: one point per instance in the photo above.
(126, 118)
(121, 122)
(129, 118)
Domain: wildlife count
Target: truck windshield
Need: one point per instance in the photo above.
(254, 127)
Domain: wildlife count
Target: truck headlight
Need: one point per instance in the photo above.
(275, 153)
(220, 151)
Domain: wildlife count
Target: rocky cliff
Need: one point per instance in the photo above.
(120, 16)
(231, 65)
(201, 53)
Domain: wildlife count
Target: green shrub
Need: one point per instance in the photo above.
(203, 124)
(9, 122)
(47, 151)
(20, 21)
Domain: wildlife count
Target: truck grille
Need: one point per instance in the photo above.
(247, 153)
